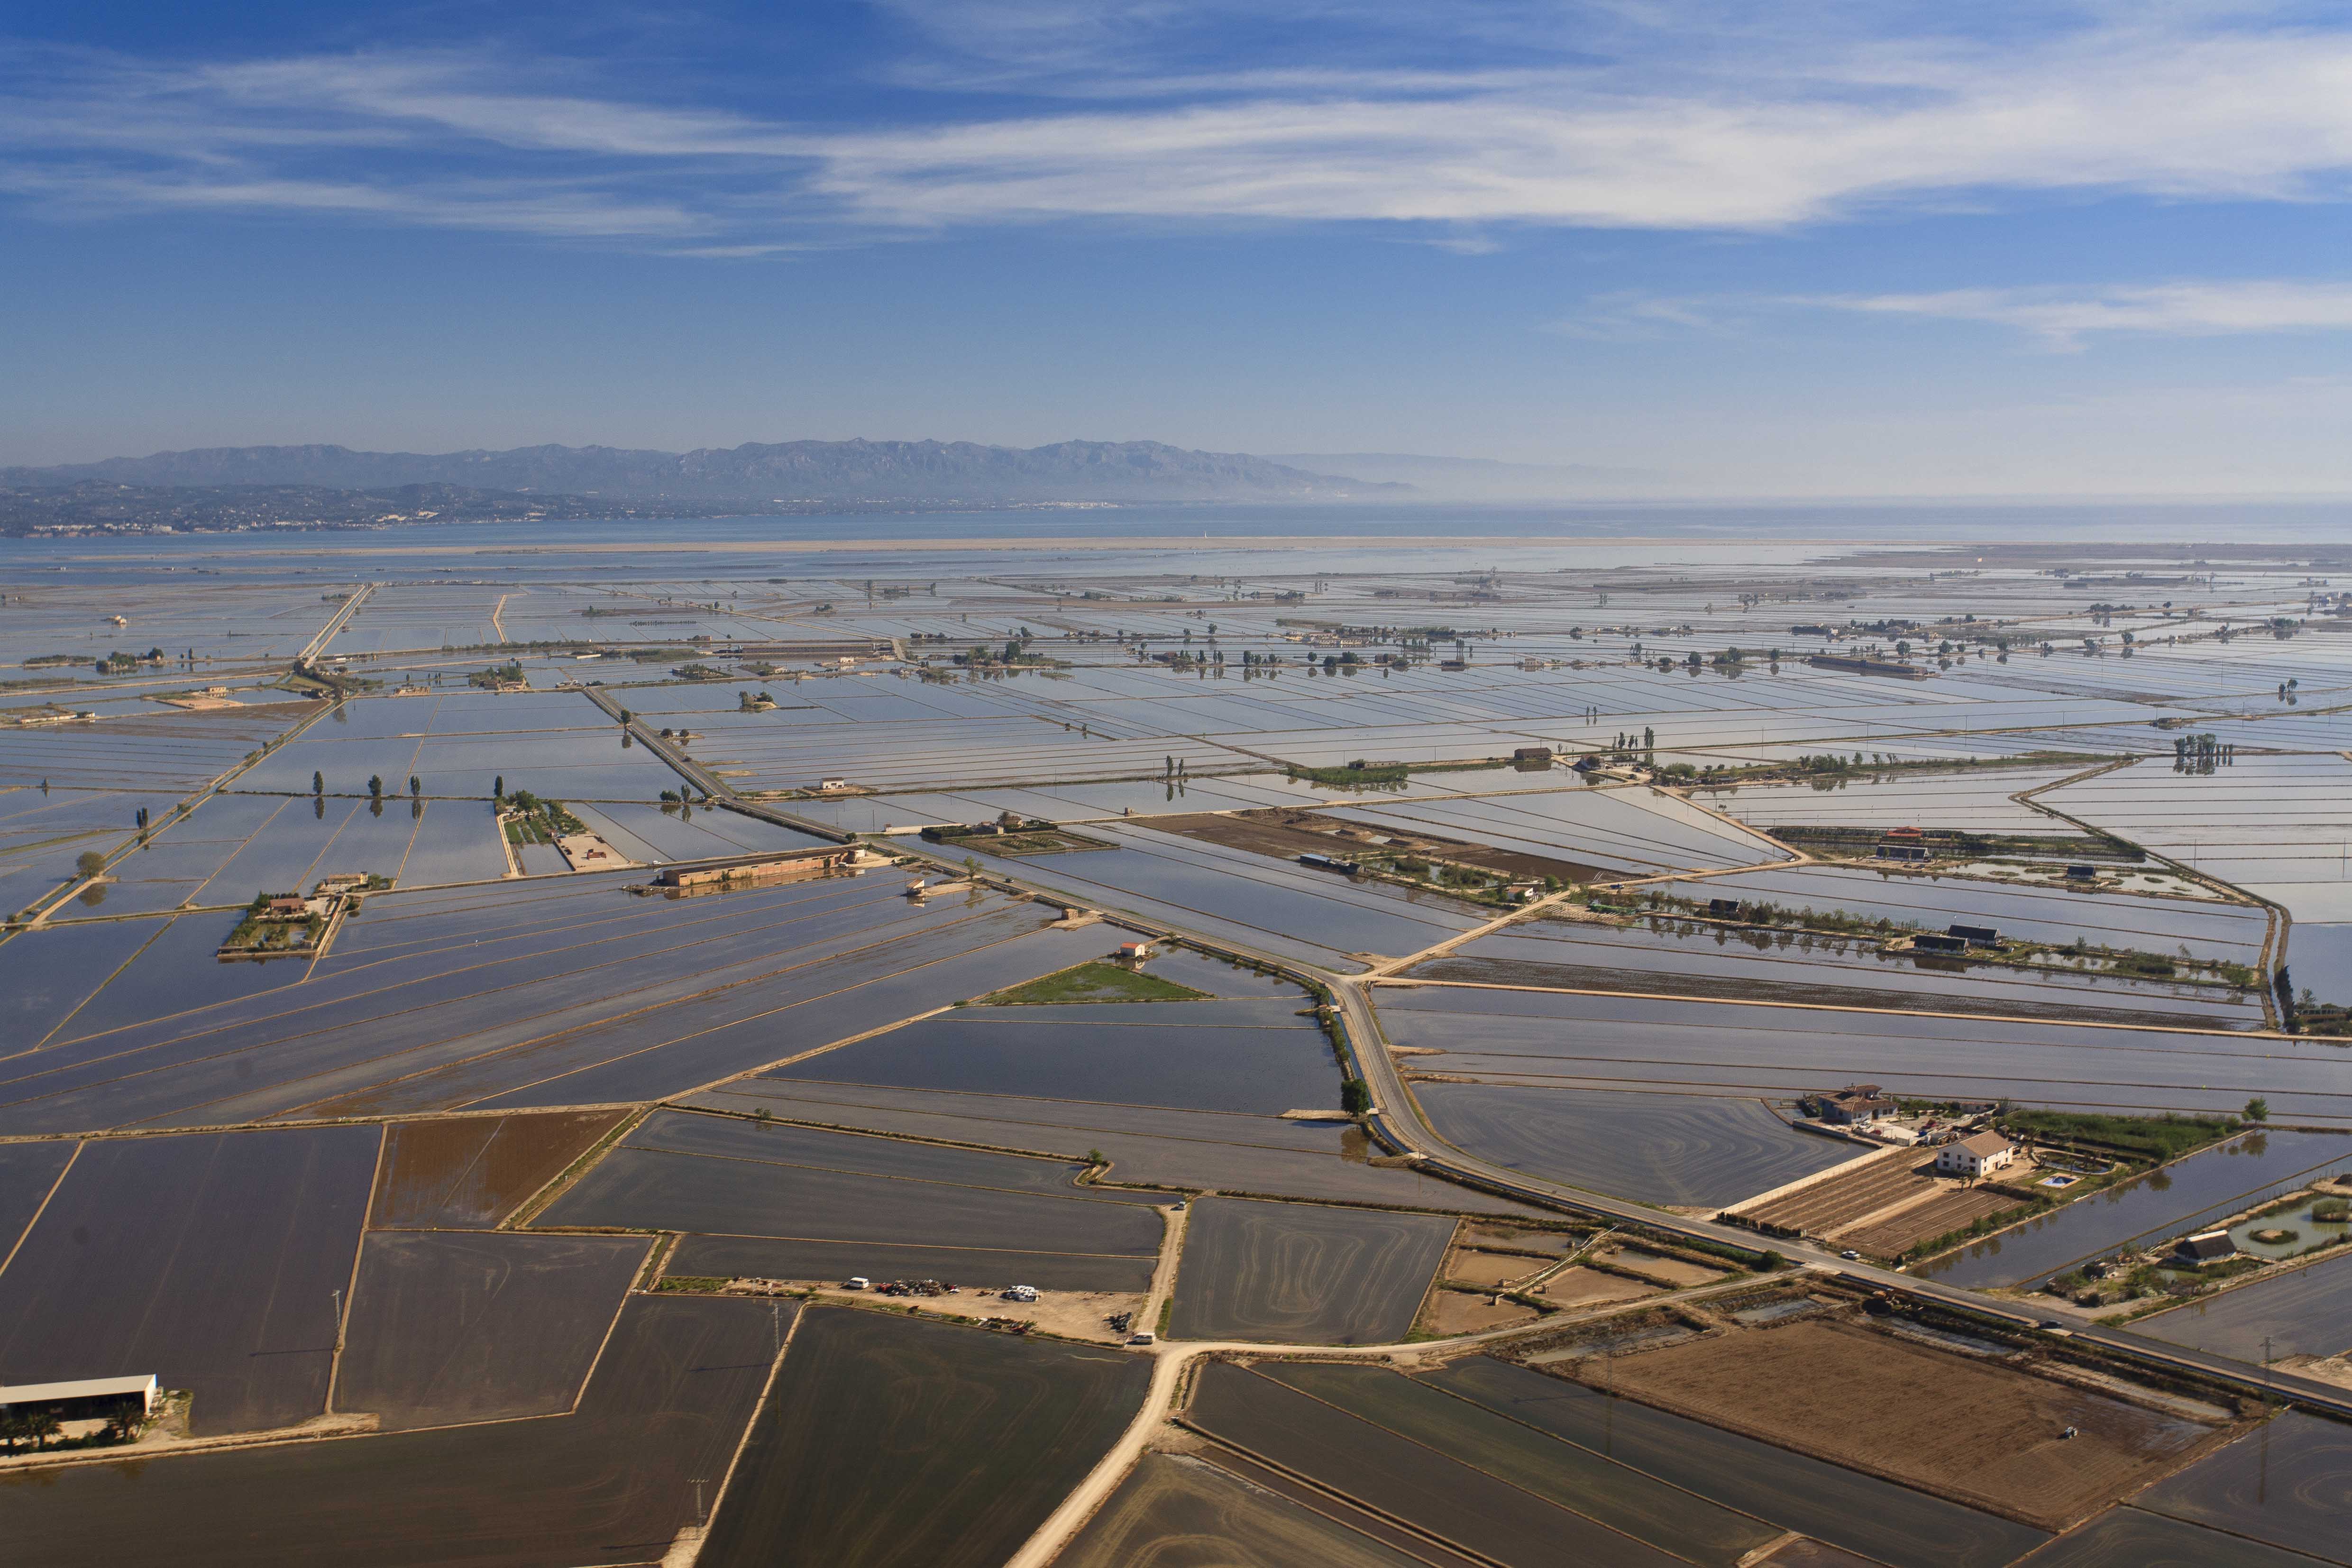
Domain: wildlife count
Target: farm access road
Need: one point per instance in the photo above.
(1172, 1360)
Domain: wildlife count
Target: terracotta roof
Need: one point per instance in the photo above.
(1985, 1143)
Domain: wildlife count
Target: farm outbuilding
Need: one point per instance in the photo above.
(85, 1399)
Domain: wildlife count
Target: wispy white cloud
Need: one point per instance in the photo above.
(1516, 120)
(2064, 317)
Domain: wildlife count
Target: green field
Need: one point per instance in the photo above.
(1094, 983)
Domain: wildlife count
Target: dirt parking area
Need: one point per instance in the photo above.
(1979, 1433)
(1075, 1314)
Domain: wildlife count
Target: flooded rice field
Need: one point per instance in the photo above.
(1246, 900)
(2279, 826)
(1976, 801)
(2307, 1312)
(733, 1179)
(1703, 959)
(1780, 1053)
(209, 1260)
(2055, 915)
(886, 1440)
(669, 1400)
(498, 998)
(1262, 1153)
(472, 1180)
(1303, 1273)
(446, 1328)
(1253, 1055)
(2286, 1485)
(1686, 1149)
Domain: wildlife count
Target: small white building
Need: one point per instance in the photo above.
(1978, 1155)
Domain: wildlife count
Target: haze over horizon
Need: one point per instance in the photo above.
(1834, 251)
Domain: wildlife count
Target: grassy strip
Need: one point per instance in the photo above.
(2157, 1138)
(1093, 982)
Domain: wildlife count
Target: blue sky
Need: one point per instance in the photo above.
(1833, 250)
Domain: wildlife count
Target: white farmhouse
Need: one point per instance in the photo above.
(1978, 1155)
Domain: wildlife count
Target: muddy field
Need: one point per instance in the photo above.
(1886, 1522)
(1981, 1433)
(469, 1173)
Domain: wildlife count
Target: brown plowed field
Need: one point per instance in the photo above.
(1955, 1208)
(1488, 1268)
(1846, 1195)
(468, 1173)
(1981, 1434)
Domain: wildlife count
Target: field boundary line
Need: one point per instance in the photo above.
(111, 975)
(877, 1176)
(559, 1008)
(62, 1172)
(187, 807)
(555, 1186)
(1834, 1008)
(717, 1028)
(610, 1328)
(359, 1251)
(1325, 1488)
(678, 1558)
(1427, 1447)
(2277, 920)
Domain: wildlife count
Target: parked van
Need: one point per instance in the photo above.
(857, 1282)
(1142, 1337)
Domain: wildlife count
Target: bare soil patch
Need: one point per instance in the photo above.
(1490, 1269)
(1557, 1242)
(1672, 1270)
(1071, 1314)
(1977, 1433)
(1583, 1287)
(1948, 1211)
(468, 1173)
(1450, 1312)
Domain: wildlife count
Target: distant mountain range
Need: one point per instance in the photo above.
(1477, 478)
(930, 472)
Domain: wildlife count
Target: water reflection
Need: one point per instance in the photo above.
(2205, 1186)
